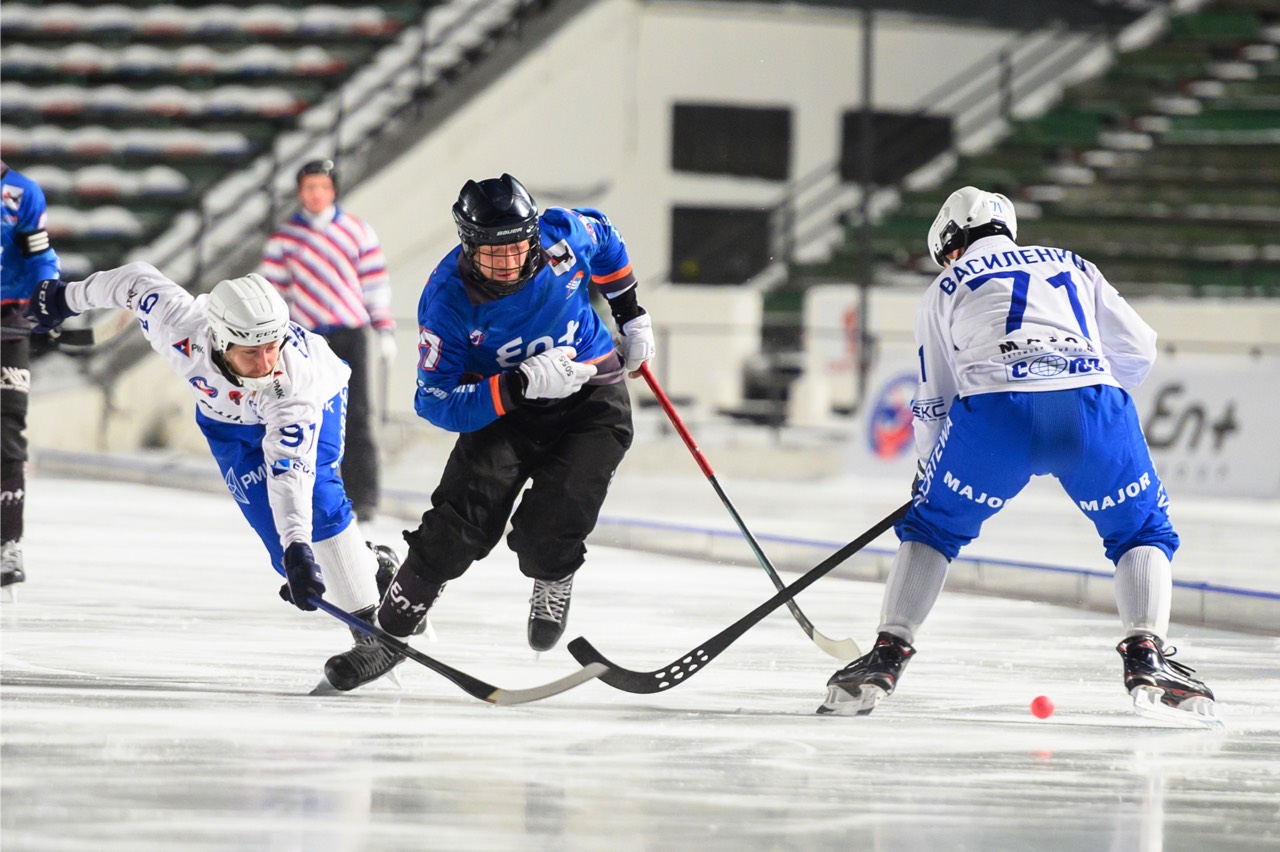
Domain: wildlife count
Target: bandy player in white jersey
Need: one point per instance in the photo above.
(1025, 357)
(271, 401)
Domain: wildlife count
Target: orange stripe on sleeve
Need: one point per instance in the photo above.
(495, 391)
(605, 279)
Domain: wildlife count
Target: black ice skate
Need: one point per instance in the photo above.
(388, 564)
(549, 612)
(857, 688)
(1162, 688)
(367, 660)
(11, 564)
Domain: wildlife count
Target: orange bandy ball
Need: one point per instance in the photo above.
(1042, 707)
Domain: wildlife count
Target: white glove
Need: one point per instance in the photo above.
(554, 374)
(637, 343)
(387, 342)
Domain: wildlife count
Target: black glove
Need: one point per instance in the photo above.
(48, 305)
(304, 576)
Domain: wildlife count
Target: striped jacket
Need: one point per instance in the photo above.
(332, 276)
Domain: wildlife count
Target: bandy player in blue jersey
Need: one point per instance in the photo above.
(512, 356)
(1025, 355)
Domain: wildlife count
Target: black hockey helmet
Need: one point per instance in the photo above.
(319, 167)
(496, 212)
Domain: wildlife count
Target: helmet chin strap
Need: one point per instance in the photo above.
(246, 382)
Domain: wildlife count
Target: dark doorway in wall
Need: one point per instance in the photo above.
(729, 140)
(902, 143)
(718, 245)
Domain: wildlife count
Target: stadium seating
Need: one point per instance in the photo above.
(128, 113)
(1166, 172)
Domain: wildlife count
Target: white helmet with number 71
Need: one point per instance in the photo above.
(969, 214)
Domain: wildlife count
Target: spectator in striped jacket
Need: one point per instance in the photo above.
(329, 267)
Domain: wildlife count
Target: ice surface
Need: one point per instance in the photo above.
(154, 697)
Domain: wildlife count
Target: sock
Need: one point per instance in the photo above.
(1144, 591)
(914, 583)
(350, 570)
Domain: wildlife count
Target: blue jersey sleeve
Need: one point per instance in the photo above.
(610, 265)
(448, 395)
(28, 257)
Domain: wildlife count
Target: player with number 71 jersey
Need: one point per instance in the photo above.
(1005, 317)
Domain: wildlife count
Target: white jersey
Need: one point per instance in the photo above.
(308, 375)
(1004, 317)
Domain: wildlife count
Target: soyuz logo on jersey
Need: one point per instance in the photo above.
(184, 347)
(477, 337)
(889, 431)
(200, 384)
(572, 286)
(235, 396)
(1051, 365)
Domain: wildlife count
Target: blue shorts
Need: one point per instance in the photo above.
(237, 449)
(1088, 438)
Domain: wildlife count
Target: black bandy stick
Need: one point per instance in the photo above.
(682, 669)
(474, 687)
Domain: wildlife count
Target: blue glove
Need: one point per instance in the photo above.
(304, 576)
(48, 305)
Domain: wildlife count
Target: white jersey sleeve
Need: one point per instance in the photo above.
(290, 411)
(1127, 341)
(937, 386)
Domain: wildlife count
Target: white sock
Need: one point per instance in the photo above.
(1144, 591)
(913, 587)
(349, 568)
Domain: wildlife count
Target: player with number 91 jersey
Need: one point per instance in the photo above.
(467, 341)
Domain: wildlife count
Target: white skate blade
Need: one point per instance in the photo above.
(324, 688)
(842, 703)
(9, 593)
(1196, 712)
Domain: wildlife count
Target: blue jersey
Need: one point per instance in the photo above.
(464, 347)
(26, 257)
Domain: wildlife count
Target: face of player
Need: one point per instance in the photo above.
(316, 193)
(501, 263)
(253, 362)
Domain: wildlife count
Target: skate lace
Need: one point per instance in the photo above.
(551, 598)
(1180, 668)
(11, 556)
(369, 659)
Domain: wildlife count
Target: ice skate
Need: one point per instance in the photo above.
(388, 564)
(11, 568)
(549, 612)
(1163, 688)
(367, 661)
(857, 688)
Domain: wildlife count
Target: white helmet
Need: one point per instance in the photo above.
(970, 214)
(247, 312)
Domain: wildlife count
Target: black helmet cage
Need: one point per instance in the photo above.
(319, 167)
(496, 212)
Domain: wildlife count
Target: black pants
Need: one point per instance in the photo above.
(360, 464)
(568, 451)
(15, 388)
